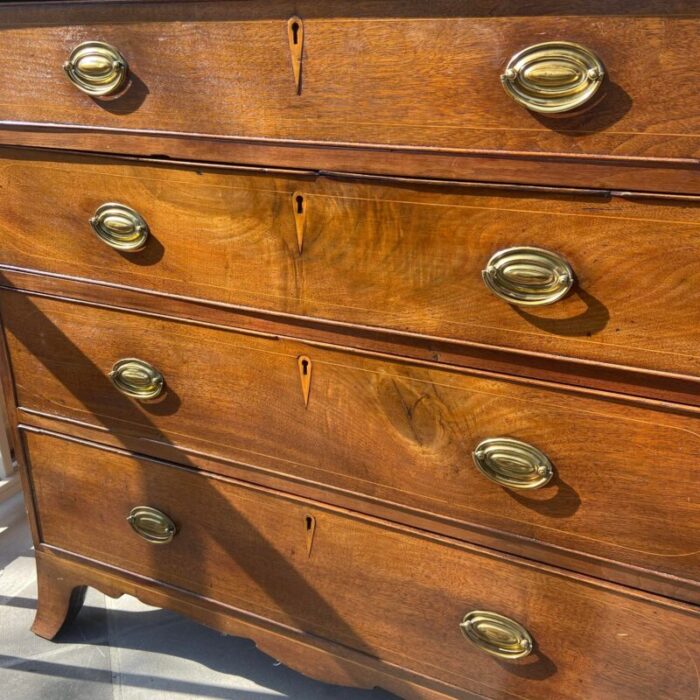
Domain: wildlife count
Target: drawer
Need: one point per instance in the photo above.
(392, 593)
(378, 74)
(406, 257)
(624, 480)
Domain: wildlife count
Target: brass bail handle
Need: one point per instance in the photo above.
(553, 77)
(497, 635)
(97, 69)
(528, 276)
(120, 227)
(513, 463)
(137, 379)
(152, 524)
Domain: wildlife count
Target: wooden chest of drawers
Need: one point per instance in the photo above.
(366, 330)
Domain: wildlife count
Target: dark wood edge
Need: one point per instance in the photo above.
(379, 178)
(66, 154)
(550, 156)
(660, 390)
(313, 656)
(586, 569)
(607, 172)
(641, 8)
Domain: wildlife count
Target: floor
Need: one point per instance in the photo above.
(124, 650)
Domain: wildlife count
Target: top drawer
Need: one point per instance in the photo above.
(383, 73)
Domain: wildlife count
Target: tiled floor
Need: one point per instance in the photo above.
(124, 650)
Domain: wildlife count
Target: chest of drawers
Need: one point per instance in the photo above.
(366, 330)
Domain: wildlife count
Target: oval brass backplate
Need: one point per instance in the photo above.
(497, 635)
(152, 524)
(512, 463)
(137, 379)
(97, 69)
(528, 276)
(553, 77)
(120, 227)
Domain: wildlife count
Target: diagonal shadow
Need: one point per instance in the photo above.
(64, 356)
(234, 656)
(105, 675)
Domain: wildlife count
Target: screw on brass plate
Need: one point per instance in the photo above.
(305, 366)
(299, 209)
(310, 523)
(295, 32)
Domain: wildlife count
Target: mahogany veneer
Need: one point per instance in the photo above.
(384, 74)
(314, 406)
(340, 580)
(405, 256)
(374, 428)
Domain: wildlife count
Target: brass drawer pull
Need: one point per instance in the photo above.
(496, 634)
(152, 524)
(513, 463)
(120, 227)
(553, 77)
(137, 379)
(96, 68)
(528, 276)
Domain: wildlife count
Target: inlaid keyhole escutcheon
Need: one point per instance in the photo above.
(305, 367)
(295, 33)
(299, 210)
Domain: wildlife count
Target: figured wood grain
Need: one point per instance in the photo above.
(672, 587)
(651, 388)
(388, 430)
(401, 256)
(447, 96)
(304, 503)
(245, 547)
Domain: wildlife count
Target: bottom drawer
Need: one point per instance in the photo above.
(396, 594)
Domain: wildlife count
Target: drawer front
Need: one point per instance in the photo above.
(625, 481)
(390, 592)
(403, 257)
(388, 73)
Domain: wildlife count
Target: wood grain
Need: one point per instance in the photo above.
(447, 96)
(657, 389)
(329, 372)
(400, 256)
(670, 176)
(354, 586)
(382, 429)
(569, 559)
(315, 657)
(59, 600)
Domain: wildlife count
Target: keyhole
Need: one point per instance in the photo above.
(295, 33)
(300, 204)
(305, 367)
(310, 532)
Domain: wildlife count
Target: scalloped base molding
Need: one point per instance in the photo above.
(63, 579)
